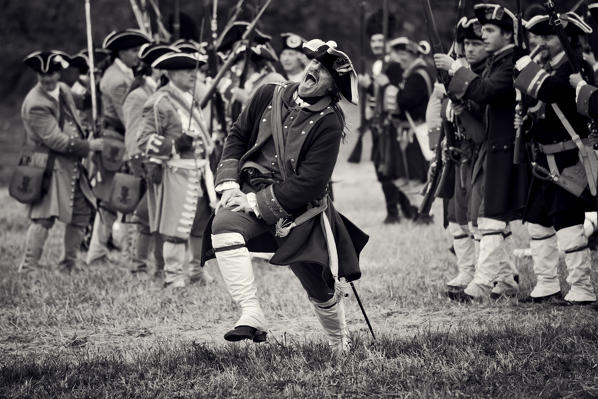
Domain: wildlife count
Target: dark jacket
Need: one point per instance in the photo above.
(506, 184)
(311, 149)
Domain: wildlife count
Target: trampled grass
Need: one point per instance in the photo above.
(106, 333)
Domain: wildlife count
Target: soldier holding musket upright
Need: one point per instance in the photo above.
(469, 153)
(176, 143)
(555, 206)
(505, 184)
(114, 86)
(54, 145)
(145, 84)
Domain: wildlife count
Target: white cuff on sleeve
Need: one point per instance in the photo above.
(227, 185)
(523, 62)
(581, 84)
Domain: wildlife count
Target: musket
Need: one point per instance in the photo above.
(138, 15)
(230, 22)
(355, 156)
(229, 61)
(520, 109)
(92, 78)
(441, 172)
(163, 32)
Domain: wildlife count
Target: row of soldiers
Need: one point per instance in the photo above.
(160, 161)
(494, 93)
(497, 95)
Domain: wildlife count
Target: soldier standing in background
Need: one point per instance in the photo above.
(291, 56)
(177, 144)
(55, 142)
(145, 84)
(115, 85)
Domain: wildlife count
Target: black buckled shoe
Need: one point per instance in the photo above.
(543, 299)
(240, 333)
(459, 296)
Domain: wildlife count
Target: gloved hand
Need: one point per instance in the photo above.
(183, 143)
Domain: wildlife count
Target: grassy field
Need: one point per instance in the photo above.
(105, 333)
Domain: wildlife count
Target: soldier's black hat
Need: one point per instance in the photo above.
(80, 60)
(177, 61)
(150, 52)
(375, 24)
(337, 63)
(571, 22)
(469, 29)
(191, 46)
(47, 62)
(258, 52)
(125, 39)
(291, 41)
(404, 43)
(495, 14)
(235, 32)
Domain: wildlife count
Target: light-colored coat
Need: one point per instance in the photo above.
(132, 113)
(114, 86)
(41, 114)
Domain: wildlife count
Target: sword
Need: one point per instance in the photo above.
(365, 315)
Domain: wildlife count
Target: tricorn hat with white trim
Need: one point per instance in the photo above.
(337, 63)
(191, 46)
(125, 39)
(81, 59)
(258, 52)
(571, 22)
(47, 62)
(468, 28)
(177, 61)
(404, 43)
(291, 41)
(235, 32)
(495, 14)
(150, 52)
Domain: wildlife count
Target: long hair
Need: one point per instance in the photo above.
(336, 96)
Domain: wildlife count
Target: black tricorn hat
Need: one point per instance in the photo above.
(81, 59)
(495, 14)
(291, 41)
(375, 24)
(235, 32)
(337, 63)
(570, 21)
(258, 52)
(191, 46)
(469, 29)
(177, 61)
(125, 39)
(46, 62)
(150, 52)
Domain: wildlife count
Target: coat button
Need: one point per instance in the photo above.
(264, 120)
(311, 122)
(303, 132)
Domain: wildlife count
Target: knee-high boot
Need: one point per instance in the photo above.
(235, 265)
(73, 235)
(174, 260)
(34, 246)
(142, 250)
(577, 257)
(197, 273)
(545, 254)
(465, 251)
(331, 315)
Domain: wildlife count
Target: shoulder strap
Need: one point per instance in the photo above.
(421, 71)
(276, 121)
(580, 146)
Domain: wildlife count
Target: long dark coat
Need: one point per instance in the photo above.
(311, 150)
(505, 184)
